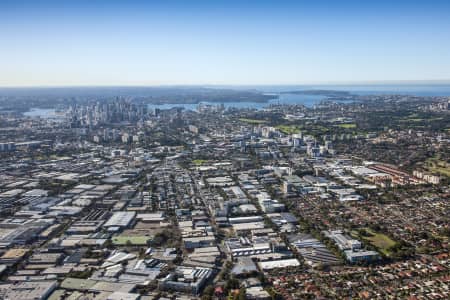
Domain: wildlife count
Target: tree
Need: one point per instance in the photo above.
(231, 283)
(242, 294)
(208, 292)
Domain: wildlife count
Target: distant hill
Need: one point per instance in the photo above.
(50, 97)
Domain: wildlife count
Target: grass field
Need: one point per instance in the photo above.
(133, 240)
(440, 170)
(347, 125)
(252, 121)
(381, 241)
(199, 161)
(289, 129)
(438, 166)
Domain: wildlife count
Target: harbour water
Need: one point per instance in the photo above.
(290, 98)
(311, 100)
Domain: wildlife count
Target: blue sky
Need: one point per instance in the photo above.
(50, 43)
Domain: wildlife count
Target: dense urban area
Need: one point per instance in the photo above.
(111, 199)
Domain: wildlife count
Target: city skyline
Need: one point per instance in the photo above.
(135, 43)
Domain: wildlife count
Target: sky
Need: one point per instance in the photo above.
(107, 43)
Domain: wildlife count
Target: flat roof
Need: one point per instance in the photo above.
(275, 264)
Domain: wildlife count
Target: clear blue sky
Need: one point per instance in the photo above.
(93, 42)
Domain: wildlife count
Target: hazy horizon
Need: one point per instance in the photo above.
(244, 85)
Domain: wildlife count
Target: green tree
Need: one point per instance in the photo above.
(208, 292)
(242, 294)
